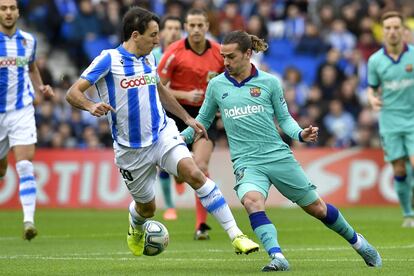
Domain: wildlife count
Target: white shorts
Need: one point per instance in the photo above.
(17, 127)
(139, 166)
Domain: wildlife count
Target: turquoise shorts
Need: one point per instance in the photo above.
(397, 145)
(286, 175)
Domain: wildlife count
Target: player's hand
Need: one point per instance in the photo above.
(200, 130)
(310, 134)
(46, 90)
(195, 96)
(100, 109)
(375, 102)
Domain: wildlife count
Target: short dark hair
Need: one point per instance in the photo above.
(137, 19)
(169, 17)
(245, 41)
(390, 14)
(195, 11)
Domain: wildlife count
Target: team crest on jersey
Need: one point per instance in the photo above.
(409, 68)
(147, 61)
(255, 92)
(24, 42)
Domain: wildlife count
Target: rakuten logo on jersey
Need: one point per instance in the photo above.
(138, 81)
(239, 112)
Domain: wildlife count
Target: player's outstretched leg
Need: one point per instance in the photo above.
(214, 202)
(136, 234)
(266, 232)
(336, 222)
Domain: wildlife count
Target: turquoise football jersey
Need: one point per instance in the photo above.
(248, 110)
(396, 80)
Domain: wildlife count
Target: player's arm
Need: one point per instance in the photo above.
(285, 120)
(37, 81)
(77, 98)
(173, 106)
(194, 96)
(76, 93)
(205, 116)
(374, 97)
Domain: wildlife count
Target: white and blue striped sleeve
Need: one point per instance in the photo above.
(99, 67)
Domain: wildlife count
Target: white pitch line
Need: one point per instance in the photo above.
(186, 260)
(101, 255)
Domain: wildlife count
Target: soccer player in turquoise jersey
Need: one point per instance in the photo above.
(391, 91)
(249, 100)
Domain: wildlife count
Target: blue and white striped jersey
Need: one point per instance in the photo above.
(16, 53)
(129, 84)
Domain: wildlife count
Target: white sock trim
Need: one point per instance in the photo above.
(206, 188)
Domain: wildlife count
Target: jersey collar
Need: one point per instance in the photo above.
(188, 46)
(124, 52)
(405, 49)
(253, 73)
(15, 33)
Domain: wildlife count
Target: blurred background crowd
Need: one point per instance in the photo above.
(318, 49)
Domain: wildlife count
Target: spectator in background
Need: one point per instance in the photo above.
(111, 20)
(86, 26)
(367, 45)
(329, 81)
(292, 79)
(341, 39)
(348, 96)
(231, 14)
(256, 25)
(294, 23)
(311, 43)
(340, 125)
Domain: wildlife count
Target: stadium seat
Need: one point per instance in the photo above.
(281, 48)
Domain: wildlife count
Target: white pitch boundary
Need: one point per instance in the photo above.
(100, 256)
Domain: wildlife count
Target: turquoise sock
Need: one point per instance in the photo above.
(165, 181)
(336, 222)
(265, 231)
(403, 188)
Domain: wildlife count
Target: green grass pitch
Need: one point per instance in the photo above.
(93, 242)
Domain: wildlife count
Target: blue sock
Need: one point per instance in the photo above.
(165, 181)
(336, 222)
(265, 231)
(404, 192)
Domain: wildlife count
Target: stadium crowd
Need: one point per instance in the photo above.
(318, 49)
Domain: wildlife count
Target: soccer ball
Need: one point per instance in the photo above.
(156, 238)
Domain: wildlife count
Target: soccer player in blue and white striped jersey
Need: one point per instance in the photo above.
(144, 137)
(19, 79)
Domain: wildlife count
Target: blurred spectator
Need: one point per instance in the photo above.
(329, 81)
(292, 79)
(232, 16)
(294, 23)
(348, 96)
(340, 38)
(340, 124)
(367, 45)
(311, 43)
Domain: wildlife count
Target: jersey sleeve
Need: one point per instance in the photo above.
(285, 120)
(99, 67)
(33, 55)
(373, 79)
(206, 114)
(167, 64)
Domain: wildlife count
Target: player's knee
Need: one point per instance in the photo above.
(317, 209)
(195, 178)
